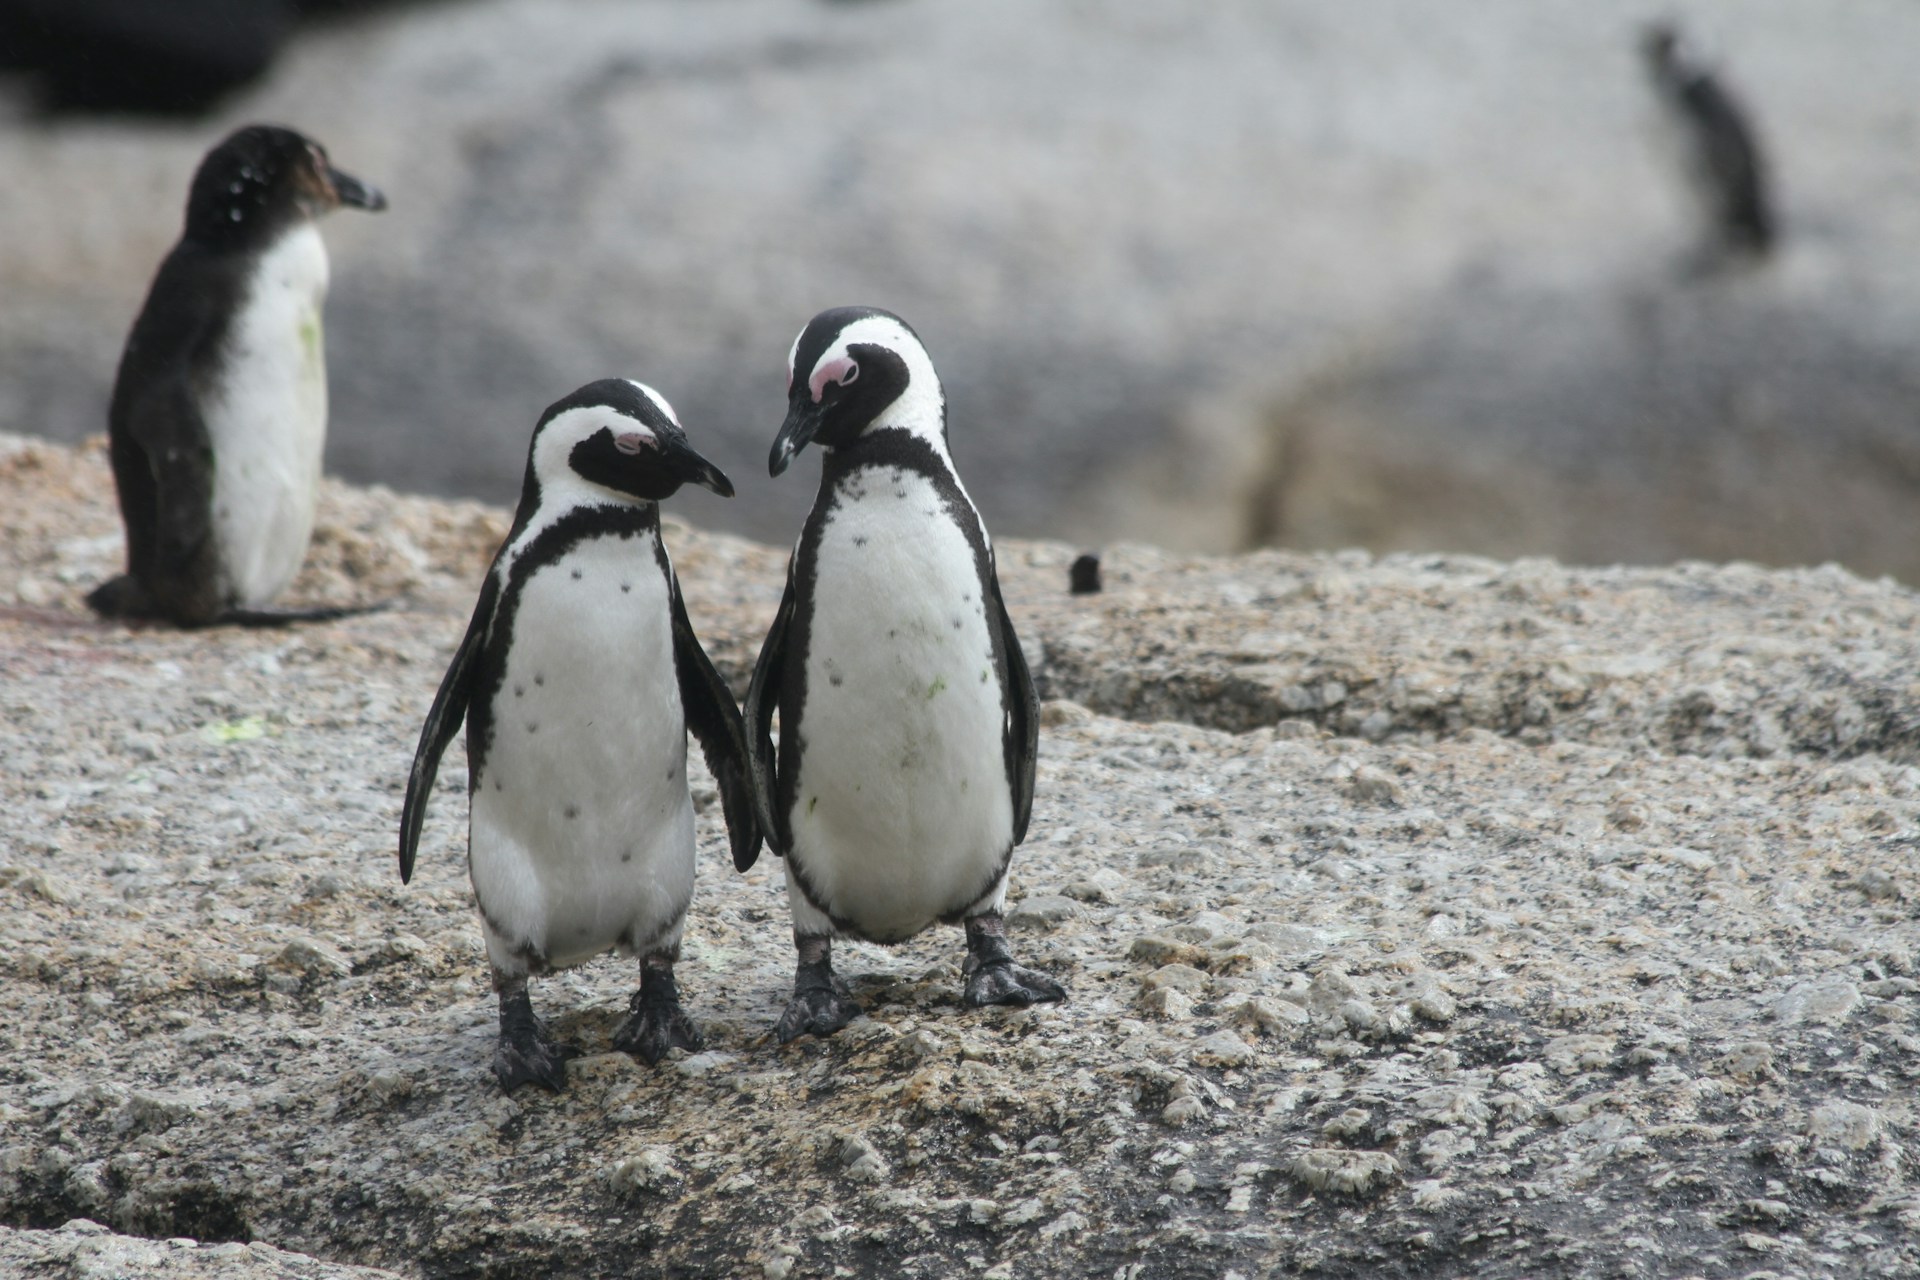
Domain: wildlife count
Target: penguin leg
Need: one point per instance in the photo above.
(655, 1022)
(992, 976)
(526, 1053)
(821, 1003)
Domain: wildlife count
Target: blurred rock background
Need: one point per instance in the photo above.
(1211, 275)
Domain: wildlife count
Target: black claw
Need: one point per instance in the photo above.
(655, 1022)
(821, 1003)
(526, 1054)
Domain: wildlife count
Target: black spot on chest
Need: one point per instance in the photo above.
(543, 550)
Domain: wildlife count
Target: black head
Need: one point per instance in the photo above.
(850, 370)
(613, 440)
(264, 179)
(1660, 45)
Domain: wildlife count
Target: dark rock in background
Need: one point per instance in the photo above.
(1450, 241)
(180, 56)
(1720, 420)
(165, 57)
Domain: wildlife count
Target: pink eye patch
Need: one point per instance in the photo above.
(840, 369)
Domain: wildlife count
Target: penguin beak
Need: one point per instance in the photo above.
(352, 191)
(803, 421)
(689, 466)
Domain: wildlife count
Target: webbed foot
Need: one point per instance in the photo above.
(526, 1053)
(821, 1003)
(991, 975)
(655, 1022)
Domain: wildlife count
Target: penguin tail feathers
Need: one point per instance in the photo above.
(293, 617)
(121, 597)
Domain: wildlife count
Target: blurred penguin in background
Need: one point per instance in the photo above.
(1718, 152)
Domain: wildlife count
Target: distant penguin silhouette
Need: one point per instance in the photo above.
(1719, 153)
(219, 413)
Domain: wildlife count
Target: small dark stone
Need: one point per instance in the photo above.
(572, 811)
(1084, 578)
(626, 586)
(576, 575)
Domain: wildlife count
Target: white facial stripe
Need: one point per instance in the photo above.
(918, 409)
(552, 454)
(792, 353)
(837, 362)
(659, 401)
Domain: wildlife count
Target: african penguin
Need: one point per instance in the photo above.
(219, 412)
(578, 680)
(1719, 154)
(908, 720)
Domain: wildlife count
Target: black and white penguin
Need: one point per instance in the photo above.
(1719, 153)
(908, 720)
(219, 413)
(578, 681)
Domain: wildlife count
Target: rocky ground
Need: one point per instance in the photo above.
(1423, 917)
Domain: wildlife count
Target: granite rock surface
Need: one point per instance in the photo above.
(1424, 916)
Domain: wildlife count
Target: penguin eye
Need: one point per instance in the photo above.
(629, 442)
(851, 372)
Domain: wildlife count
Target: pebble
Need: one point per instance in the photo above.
(1183, 978)
(1159, 949)
(1851, 1126)
(1223, 1049)
(1370, 785)
(648, 1170)
(1823, 1000)
(1167, 1003)
(1044, 912)
(1268, 1016)
(1343, 1171)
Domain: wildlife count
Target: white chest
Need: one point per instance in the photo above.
(902, 802)
(582, 823)
(268, 419)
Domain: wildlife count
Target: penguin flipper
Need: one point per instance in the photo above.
(714, 719)
(449, 712)
(163, 468)
(1021, 738)
(763, 698)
